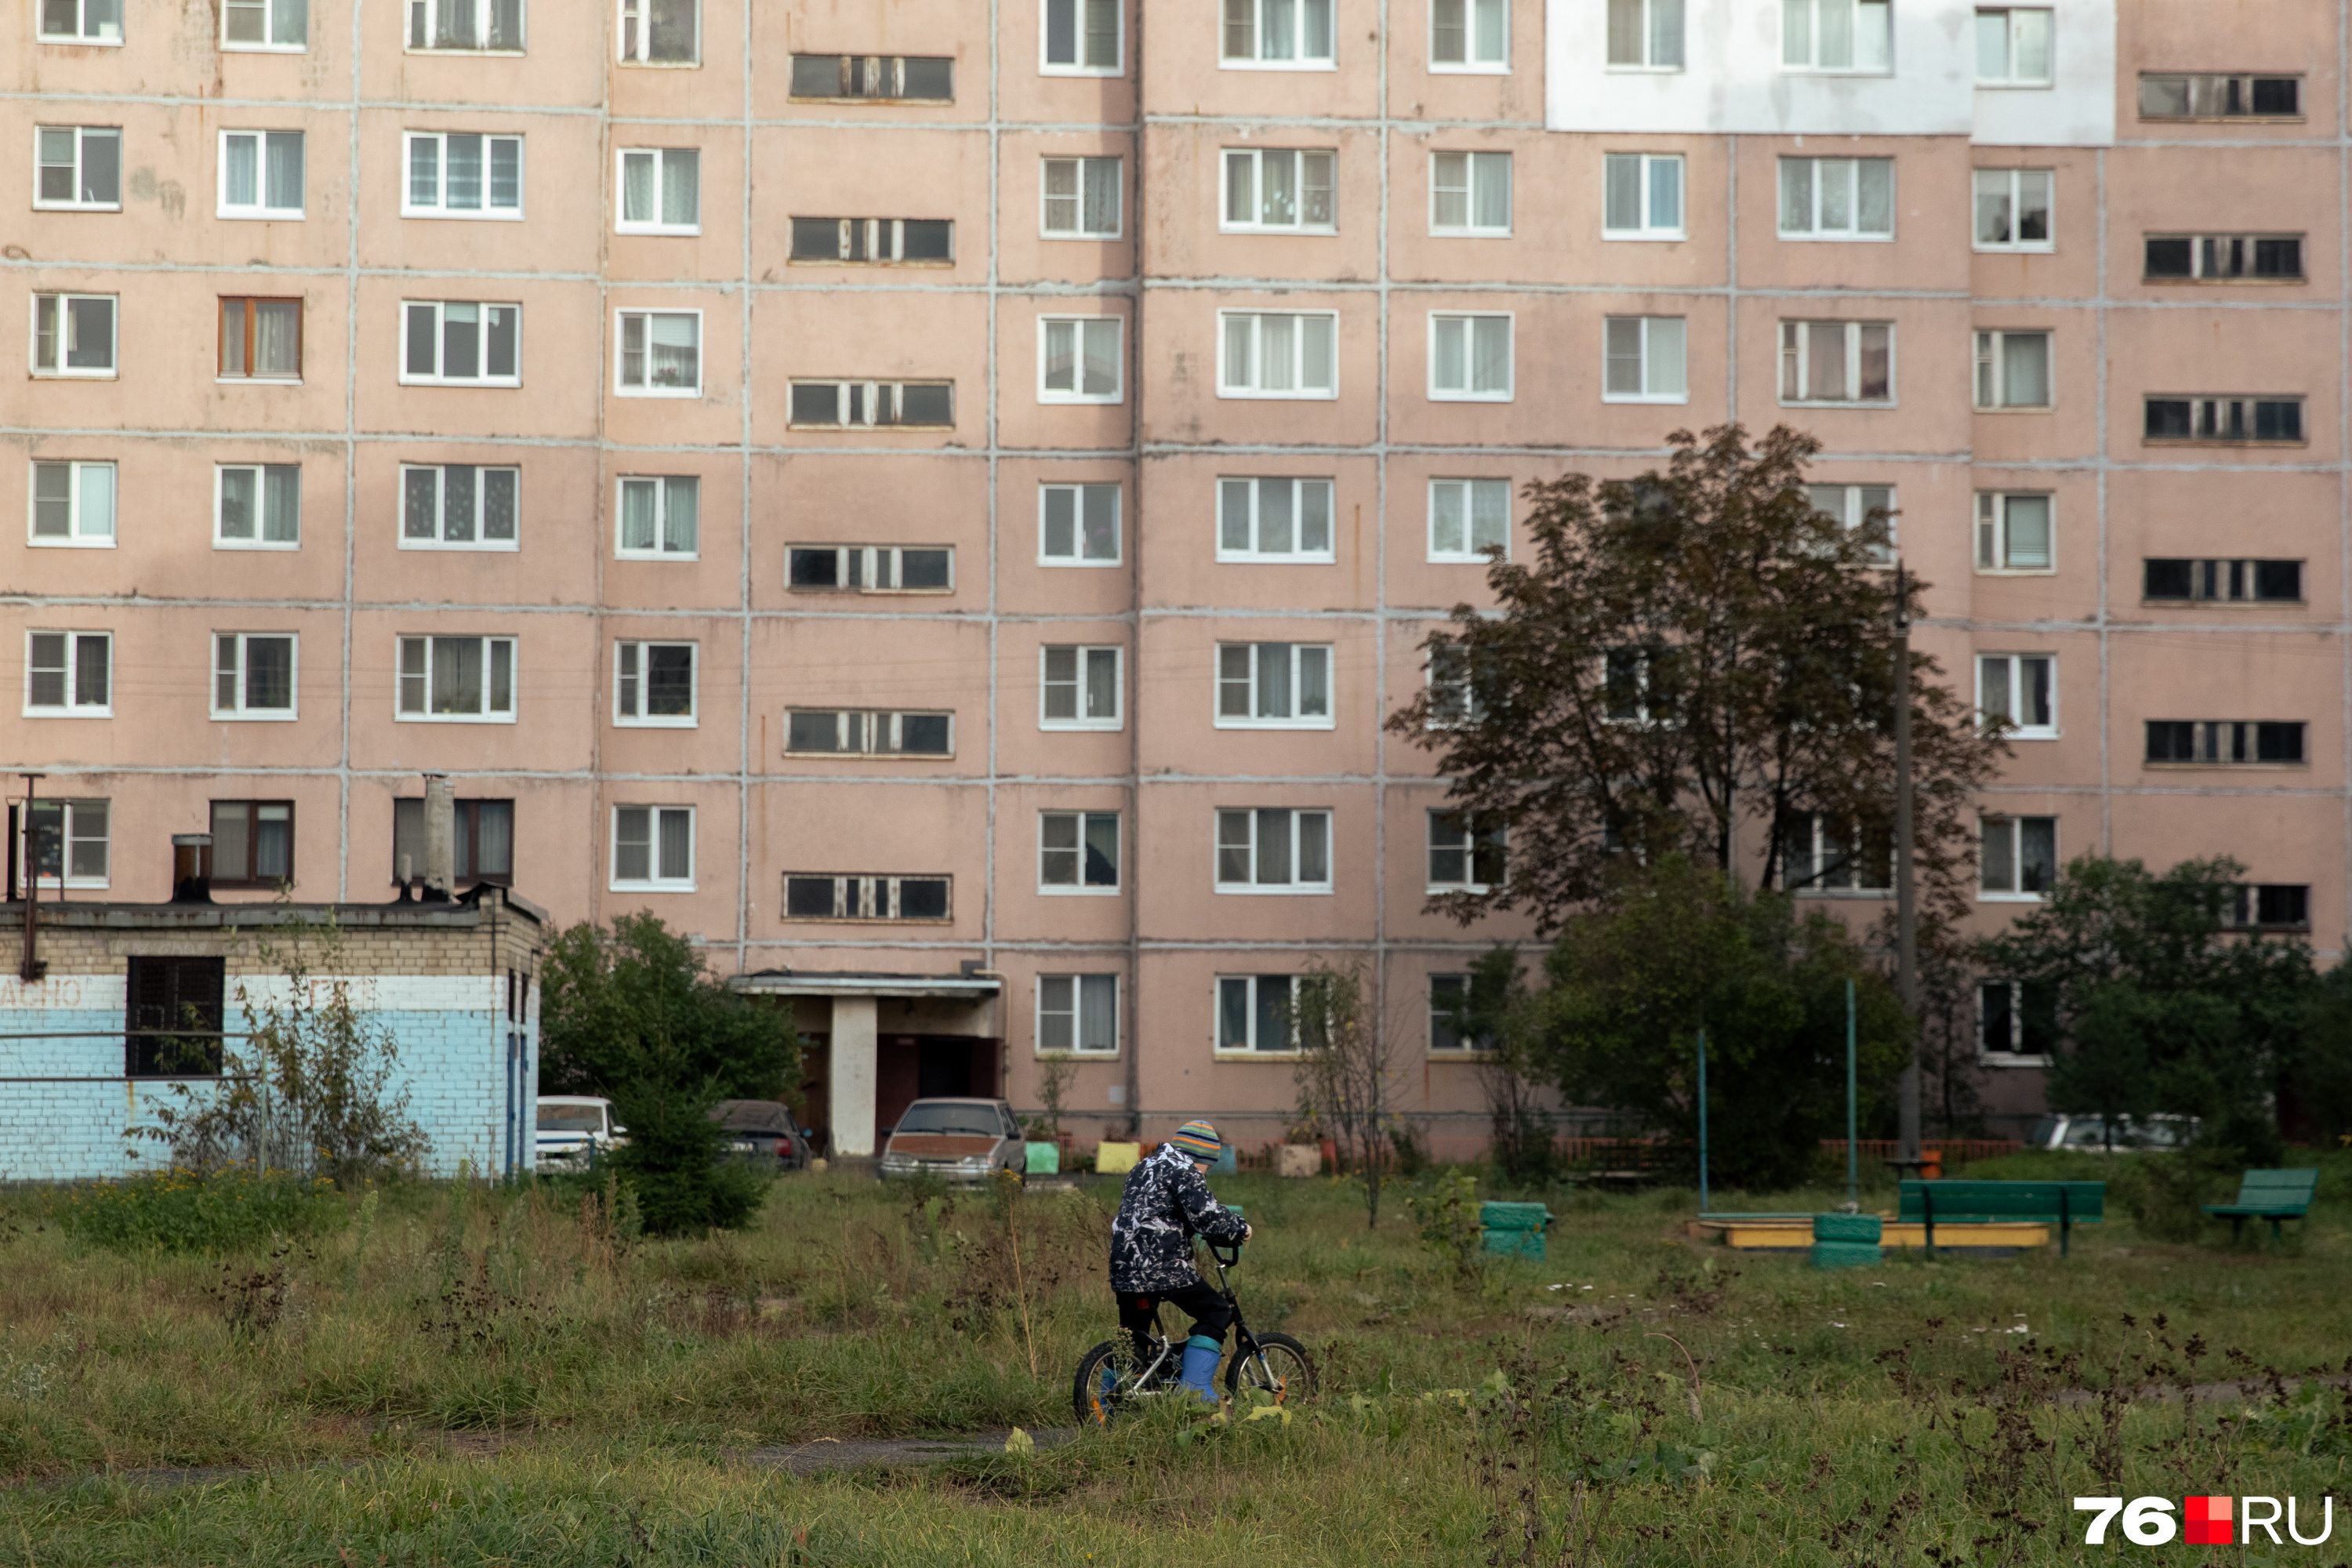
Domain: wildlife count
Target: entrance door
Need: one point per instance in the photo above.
(942, 1069)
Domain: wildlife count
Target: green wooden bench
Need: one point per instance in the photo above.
(2273, 1196)
(2065, 1203)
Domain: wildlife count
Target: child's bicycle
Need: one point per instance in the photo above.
(1274, 1363)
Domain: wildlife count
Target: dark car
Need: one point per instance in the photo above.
(763, 1130)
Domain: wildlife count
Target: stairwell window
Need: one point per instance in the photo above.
(463, 174)
(1078, 852)
(1079, 358)
(2171, 580)
(1837, 362)
(283, 25)
(82, 22)
(1080, 198)
(252, 675)
(2270, 906)
(836, 733)
(1078, 687)
(2013, 370)
(660, 518)
(1279, 190)
(1469, 852)
(73, 504)
(261, 339)
(474, 26)
(653, 848)
(661, 354)
(73, 334)
(460, 343)
(2017, 694)
(464, 680)
(873, 404)
(2015, 533)
(78, 168)
(1077, 525)
(1837, 198)
(2228, 420)
(1642, 360)
(2016, 857)
(1470, 195)
(2222, 259)
(459, 506)
(2013, 47)
(873, 241)
(1854, 36)
(1645, 35)
(1278, 35)
(2177, 96)
(1274, 686)
(1081, 38)
(1277, 354)
(830, 896)
(1077, 1015)
(661, 189)
(2227, 742)
(1273, 849)
(261, 174)
(1467, 518)
(1642, 195)
(870, 569)
(661, 32)
(68, 675)
(1273, 519)
(1470, 359)
(857, 79)
(2012, 209)
(1254, 1013)
(653, 684)
(1469, 35)
(257, 506)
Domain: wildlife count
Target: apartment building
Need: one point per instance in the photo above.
(937, 501)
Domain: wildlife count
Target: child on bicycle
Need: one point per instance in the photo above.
(1165, 1204)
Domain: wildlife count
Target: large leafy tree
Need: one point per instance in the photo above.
(630, 1013)
(1691, 658)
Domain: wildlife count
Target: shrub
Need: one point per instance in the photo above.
(1447, 1216)
(192, 1211)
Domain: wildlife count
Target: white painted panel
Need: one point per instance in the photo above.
(2078, 110)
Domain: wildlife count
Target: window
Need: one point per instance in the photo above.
(1278, 33)
(1077, 525)
(1854, 506)
(1837, 198)
(1837, 362)
(874, 404)
(458, 678)
(261, 339)
(2229, 419)
(1253, 1011)
(484, 850)
(477, 25)
(660, 518)
(870, 569)
(2226, 742)
(1078, 359)
(463, 174)
(1273, 519)
(2014, 47)
(1274, 686)
(1642, 195)
(1077, 1015)
(1078, 687)
(81, 21)
(166, 994)
(2013, 209)
(1628, 679)
(1081, 38)
(1469, 359)
(1274, 850)
(1278, 189)
(1081, 198)
(460, 343)
(73, 334)
(661, 32)
(661, 354)
(2014, 1019)
(1469, 34)
(253, 675)
(458, 506)
(257, 506)
(2223, 259)
(1642, 360)
(905, 78)
(1835, 36)
(2270, 906)
(2013, 533)
(2013, 369)
(2224, 582)
(825, 896)
(661, 189)
(1467, 518)
(261, 173)
(73, 503)
(1468, 853)
(65, 841)
(1453, 696)
(67, 675)
(1645, 35)
(873, 241)
(653, 684)
(1821, 854)
(1078, 852)
(265, 23)
(253, 844)
(2018, 858)
(78, 167)
(2172, 96)
(653, 848)
(1449, 995)
(1470, 194)
(1264, 353)
(2018, 693)
(834, 733)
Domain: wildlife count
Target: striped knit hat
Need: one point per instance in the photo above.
(1199, 1140)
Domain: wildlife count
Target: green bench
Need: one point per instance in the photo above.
(2273, 1196)
(2063, 1204)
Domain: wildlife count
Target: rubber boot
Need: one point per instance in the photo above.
(1200, 1356)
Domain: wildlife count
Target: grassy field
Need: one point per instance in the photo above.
(475, 1374)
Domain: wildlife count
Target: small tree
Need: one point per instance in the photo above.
(1488, 1015)
(1055, 1069)
(1346, 1071)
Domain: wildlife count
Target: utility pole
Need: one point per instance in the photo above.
(29, 967)
(1907, 906)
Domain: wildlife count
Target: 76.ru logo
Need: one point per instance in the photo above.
(2149, 1521)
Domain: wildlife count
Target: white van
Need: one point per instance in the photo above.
(574, 1130)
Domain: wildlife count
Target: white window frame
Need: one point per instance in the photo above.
(1249, 1050)
(654, 880)
(424, 14)
(239, 672)
(1854, 869)
(80, 134)
(439, 207)
(1086, 170)
(633, 37)
(490, 644)
(1854, 507)
(69, 708)
(621, 223)
(1086, 653)
(1473, 835)
(2014, 26)
(1082, 328)
(1471, 63)
(661, 549)
(2008, 669)
(1815, 36)
(1818, 199)
(270, 18)
(1468, 492)
(1078, 492)
(1227, 387)
(1652, 17)
(1473, 181)
(1076, 1013)
(1651, 342)
(84, 19)
(1297, 59)
(632, 678)
(1076, 66)
(63, 303)
(1255, 157)
(1645, 165)
(1452, 987)
(1294, 887)
(1993, 552)
(1990, 382)
(482, 342)
(260, 209)
(440, 540)
(261, 492)
(2009, 185)
(74, 537)
(1081, 823)
(1299, 657)
(1445, 669)
(1299, 553)
(1987, 826)
(1466, 322)
(643, 319)
(71, 810)
(1853, 332)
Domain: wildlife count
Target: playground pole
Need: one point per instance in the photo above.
(1852, 1184)
(1702, 1122)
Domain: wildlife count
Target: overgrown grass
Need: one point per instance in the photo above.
(192, 1211)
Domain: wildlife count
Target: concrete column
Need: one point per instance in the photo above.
(852, 1070)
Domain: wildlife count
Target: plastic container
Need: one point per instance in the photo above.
(1516, 1243)
(1513, 1217)
(1847, 1227)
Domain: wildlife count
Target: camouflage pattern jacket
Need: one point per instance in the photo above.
(1165, 1204)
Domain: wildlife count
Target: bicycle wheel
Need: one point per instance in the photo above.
(1104, 1385)
(1274, 1362)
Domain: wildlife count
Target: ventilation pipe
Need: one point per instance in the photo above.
(440, 838)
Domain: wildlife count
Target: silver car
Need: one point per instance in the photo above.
(956, 1139)
(576, 1131)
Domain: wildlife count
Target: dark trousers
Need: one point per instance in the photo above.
(1211, 1313)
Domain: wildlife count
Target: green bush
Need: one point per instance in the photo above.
(187, 1210)
(2165, 1193)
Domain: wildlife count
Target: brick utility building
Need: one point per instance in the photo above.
(936, 499)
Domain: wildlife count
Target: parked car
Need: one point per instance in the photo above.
(2091, 1134)
(574, 1128)
(765, 1130)
(960, 1140)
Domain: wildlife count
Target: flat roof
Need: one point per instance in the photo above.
(811, 983)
